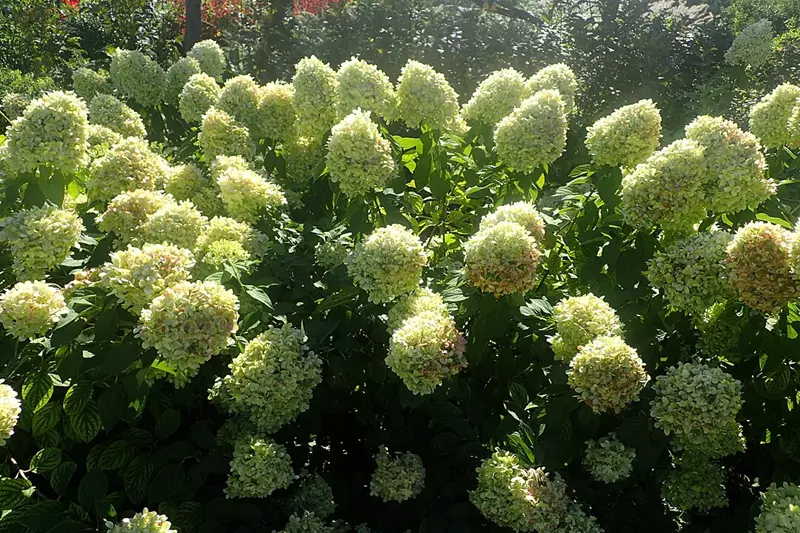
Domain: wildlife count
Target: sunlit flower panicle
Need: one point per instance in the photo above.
(579, 320)
(259, 467)
(306, 522)
(144, 522)
(178, 223)
(420, 301)
(101, 140)
(735, 165)
(387, 263)
(608, 460)
(210, 56)
(272, 381)
(523, 213)
(364, 86)
(107, 111)
(398, 477)
(228, 229)
(218, 254)
(769, 118)
(359, 158)
(220, 134)
(667, 189)
(138, 77)
(10, 408)
(247, 195)
(627, 136)
(199, 94)
(304, 157)
(534, 134)
(314, 84)
(223, 163)
(276, 118)
(312, 494)
(188, 323)
(696, 483)
(558, 77)
(30, 309)
(40, 239)
(690, 273)
(752, 46)
(14, 104)
(136, 276)
(607, 374)
(759, 266)
(88, 83)
(496, 97)
(177, 76)
(129, 165)
(240, 98)
(426, 98)
(780, 512)
(128, 210)
(52, 131)
(502, 259)
(184, 181)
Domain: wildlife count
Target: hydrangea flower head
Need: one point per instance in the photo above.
(364, 86)
(496, 97)
(534, 134)
(420, 301)
(239, 98)
(627, 136)
(210, 56)
(177, 76)
(144, 522)
(100, 140)
(558, 77)
(10, 408)
(14, 105)
(502, 259)
(608, 460)
(228, 229)
(129, 165)
(128, 210)
(315, 85)
(199, 94)
(780, 512)
(276, 116)
(178, 223)
(426, 98)
(259, 467)
(30, 309)
(398, 477)
(247, 195)
(696, 483)
(313, 494)
(304, 157)
(769, 118)
(523, 213)
(138, 77)
(88, 83)
(107, 111)
(579, 320)
(220, 134)
(753, 46)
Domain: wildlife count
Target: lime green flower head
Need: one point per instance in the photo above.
(107, 111)
(523, 213)
(502, 259)
(627, 136)
(579, 320)
(220, 134)
(101, 140)
(426, 98)
(696, 483)
(558, 77)
(129, 165)
(420, 301)
(398, 477)
(753, 46)
(247, 195)
(30, 309)
(88, 83)
(199, 94)
(608, 460)
(210, 56)
(14, 105)
(276, 117)
(259, 467)
(306, 522)
(496, 97)
(138, 77)
(178, 223)
(780, 512)
(177, 76)
(239, 98)
(10, 408)
(769, 118)
(365, 86)
(127, 211)
(312, 494)
(314, 84)
(144, 522)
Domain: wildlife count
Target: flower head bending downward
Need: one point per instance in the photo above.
(627, 136)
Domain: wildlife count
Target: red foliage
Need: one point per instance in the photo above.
(313, 6)
(215, 13)
(74, 4)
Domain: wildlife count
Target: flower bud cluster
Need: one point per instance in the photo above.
(398, 477)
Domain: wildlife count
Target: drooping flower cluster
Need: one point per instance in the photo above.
(523, 213)
(696, 483)
(770, 116)
(698, 405)
(780, 512)
(52, 131)
(627, 136)
(496, 97)
(88, 83)
(502, 259)
(690, 273)
(178, 223)
(426, 98)
(129, 165)
(607, 374)
(240, 98)
(387, 263)
(397, 478)
(40, 239)
(258, 468)
(752, 46)
(138, 275)
(534, 134)
(107, 111)
(189, 323)
(420, 301)
(220, 134)
(558, 77)
(579, 320)
(127, 211)
(246, 195)
(359, 159)
(608, 460)
(272, 380)
(210, 56)
(30, 309)
(197, 96)
(314, 84)
(759, 266)
(312, 494)
(276, 117)
(10, 408)
(138, 77)
(144, 522)
(425, 350)
(177, 76)
(364, 86)
(14, 104)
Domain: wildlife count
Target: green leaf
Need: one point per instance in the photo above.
(608, 185)
(166, 483)
(37, 390)
(111, 405)
(52, 187)
(92, 487)
(119, 358)
(538, 307)
(46, 418)
(347, 294)
(168, 423)
(116, 455)
(77, 397)
(44, 516)
(136, 477)
(14, 492)
(46, 460)
(439, 184)
(86, 423)
(775, 220)
(62, 475)
(258, 294)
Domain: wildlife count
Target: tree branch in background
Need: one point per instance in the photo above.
(194, 23)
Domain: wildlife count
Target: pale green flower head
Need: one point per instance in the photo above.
(780, 512)
(177, 76)
(359, 158)
(304, 157)
(769, 118)
(312, 494)
(607, 374)
(187, 182)
(199, 94)
(534, 134)
(138, 77)
(218, 229)
(52, 131)
(365, 86)
(144, 522)
(627, 136)
(107, 111)
(696, 483)
(239, 98)
(10, 408)
(496, 97)
(210, 56)
(397, 477)
(558, 77)
(608, 460)
(753, 46)
(39, 239)
(129, 165)
(88, 83)
(178, 223)
(247, 195)
(426, 98)
(100, 140)
(579, 320)
(333, 252)
(220, 134)
(276, 117)
(30, 309)
(306, 522)
(218, 254)
(259, 467)
(14, 105)
(420, 301)
(127, 211)
(502, 259)
(387, 263)
(315, 87)
(523, 213)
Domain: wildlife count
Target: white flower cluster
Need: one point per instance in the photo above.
(502, 259)
(127, 211)
(100, 140)
(227, 230)
(138, 77)
(579, 320)
(272, 380)
(312, 494)
(496, 97)
(426, 98)
(240, 98)
(276, 117)
(558, 77)
(420, 301)
(107, 111)
(144, 522)
(315, 87)
(10, 408)
(39, 239)
(627, 136)
(696, 483)
(259, 467)
(246, 194)
(608, 460)
(332, 251)
(359, 159)
(535, 133)
(30, 309)
(522, 213)
(780, 512)
(220, 134)
(178, 223)
(177, 76)
(769, 118)
(397, 477)
(210, 57)
(199, 94)
(88, 83)
(364, 86)
(129, 165)
(752, 46)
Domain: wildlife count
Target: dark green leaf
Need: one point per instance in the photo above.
(14, 492)
(37, 390)
(136, 477)
(168, 423)
(46, 419)
(116, 455)
(45, 460)
(92, 487)
(62, 475)
(86, 423)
